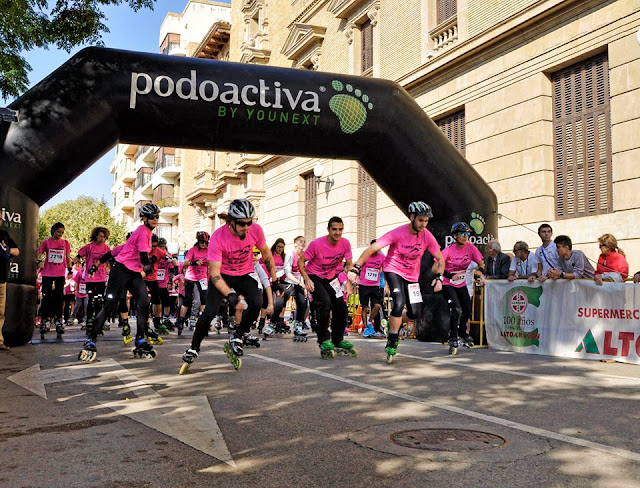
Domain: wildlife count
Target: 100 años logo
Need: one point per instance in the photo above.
(516, 302)
(10, 219)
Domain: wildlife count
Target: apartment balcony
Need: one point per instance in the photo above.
(203, 192)
(169, 207)
(445, 34)
(168, 167)
(129, 172)
(176, 48)
(144, 157)
(124, 201)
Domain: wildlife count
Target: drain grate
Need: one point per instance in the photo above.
(452, 440)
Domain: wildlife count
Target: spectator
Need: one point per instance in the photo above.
(636, 277)
(8, 249)
(524, 263)
(573, 263)
(612, 263)
(497, 261)
(547, 253)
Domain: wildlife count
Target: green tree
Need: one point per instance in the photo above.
(29, 24)
(79, 216)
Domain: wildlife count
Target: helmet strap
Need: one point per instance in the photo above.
(413, 224)
(145, 220)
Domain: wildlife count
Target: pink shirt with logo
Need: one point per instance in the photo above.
(160, 255)
(235, 254)
(81, 286)
(92, 253)
(197, 272)
(325, 260)
(69, 283)
(406, 250)
(164, 267)
(178, 280)
(139, 241)
(457, 260)
(370, 274)
(55, 258)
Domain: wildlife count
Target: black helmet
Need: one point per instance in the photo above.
(154, 238)
(420, 208)
(460, 227)
(149, 210)
(162, 241)
(202, 236)
(241, 209)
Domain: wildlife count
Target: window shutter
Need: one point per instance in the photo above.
(446, 9)
(367, 206)
(367, 45)
(310, 206)
(453, 127)
(582, 139)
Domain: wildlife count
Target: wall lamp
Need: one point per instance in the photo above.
(318, 170)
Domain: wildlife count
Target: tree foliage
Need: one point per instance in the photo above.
(29, 24)
(79, 216)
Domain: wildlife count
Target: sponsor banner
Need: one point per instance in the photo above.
(576, 318)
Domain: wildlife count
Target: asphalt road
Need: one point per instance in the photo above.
(289, 418)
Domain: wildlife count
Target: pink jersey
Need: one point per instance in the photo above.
(164, 267)
(326, 260)
(56, 254)
(457, 260)
(92, 254)
(179, 280)
(160, 256)
(197, 272)
(81, 286)
(139, 241)
(235, 254)
(406, 250)
(69, 283)
(370, 274)
(116, 250)
(278, 261)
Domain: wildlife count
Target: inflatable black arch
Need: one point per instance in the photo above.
(102, 96)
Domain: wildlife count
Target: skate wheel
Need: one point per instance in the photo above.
(389, 358)
(257, 344)
(453, 351)
(151, 355)
(237, 364)
(354, 353)
(184, 369)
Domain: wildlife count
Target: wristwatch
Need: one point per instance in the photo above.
(562, 275)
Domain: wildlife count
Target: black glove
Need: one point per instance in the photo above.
(277, 287)
(233, 300)
(147, 269)
(93, 269)
(70, 269)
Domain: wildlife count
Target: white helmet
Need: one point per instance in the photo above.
(241, 209)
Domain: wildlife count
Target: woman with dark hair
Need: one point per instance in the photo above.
(196, 276)
(280, 298)
(57, 261)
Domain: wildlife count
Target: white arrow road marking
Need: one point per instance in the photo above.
(186, 419)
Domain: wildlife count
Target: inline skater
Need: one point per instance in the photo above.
(57, 262)
(131, 266)
(195, 276)
(293, 277)
(264, 284)
(401, 267)
(151, 280)
(230, 265)
(457, 257)
(370, 292)
(164, 268)
(320, 266)
(95, 271)
(280, 298)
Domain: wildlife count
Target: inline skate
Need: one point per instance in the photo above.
(152, 337)
(327, 350)
(299, 335)
(160, 328)
(233, 350)
(249, 340)
(188, 357)
(126, 331)
(179, 325)
(44, 327)
(59, 328)
(266, 332)
(391, 348)
(89, 352)
(143, 349)
(345, 348)
(453, 346)
(467, 341)
(167, 323)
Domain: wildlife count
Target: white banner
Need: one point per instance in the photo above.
(575, 318)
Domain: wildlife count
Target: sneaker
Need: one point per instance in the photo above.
(379, 335)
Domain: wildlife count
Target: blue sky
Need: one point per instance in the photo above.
(133, 31)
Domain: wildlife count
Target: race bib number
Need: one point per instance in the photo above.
(56, 256)
(462, 278)
(337, 287)
(162, 273)
(414, 293)
(372, 274)
(82, 288)
(204, 284)
(257, 278)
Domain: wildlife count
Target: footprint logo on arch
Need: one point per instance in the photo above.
(351, 107)
(477, 223)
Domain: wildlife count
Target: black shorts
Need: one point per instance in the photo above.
(369, 296)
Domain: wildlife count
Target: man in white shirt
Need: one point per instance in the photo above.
(547, 253)
(524, 263)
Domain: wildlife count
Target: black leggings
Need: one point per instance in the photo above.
(460, 308)
(68, 301)
(399, 288)
(301, 302)
(122, 278)
(326, 305)
(94, 290)
(154, 291)
(52, 294)
(188, 292)
(279, 302)
(164, 298)
(243, 285)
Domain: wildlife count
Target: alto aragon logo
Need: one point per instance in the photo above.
(11, 220)
(619, 344)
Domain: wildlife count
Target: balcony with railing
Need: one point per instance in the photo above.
(167, 165)
(444, 34)
(168, 207)
(176, 48)
(142, 179)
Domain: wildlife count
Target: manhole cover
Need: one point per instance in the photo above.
(452, 440)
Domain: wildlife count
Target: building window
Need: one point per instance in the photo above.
(582, 139)
(446, 9)
(452, 126)
(367, 191)
(310, 206)
(366, 30)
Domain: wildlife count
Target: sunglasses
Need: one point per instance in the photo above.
(154, 217)
(464, 234)
(256, 254)
(243, 223)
